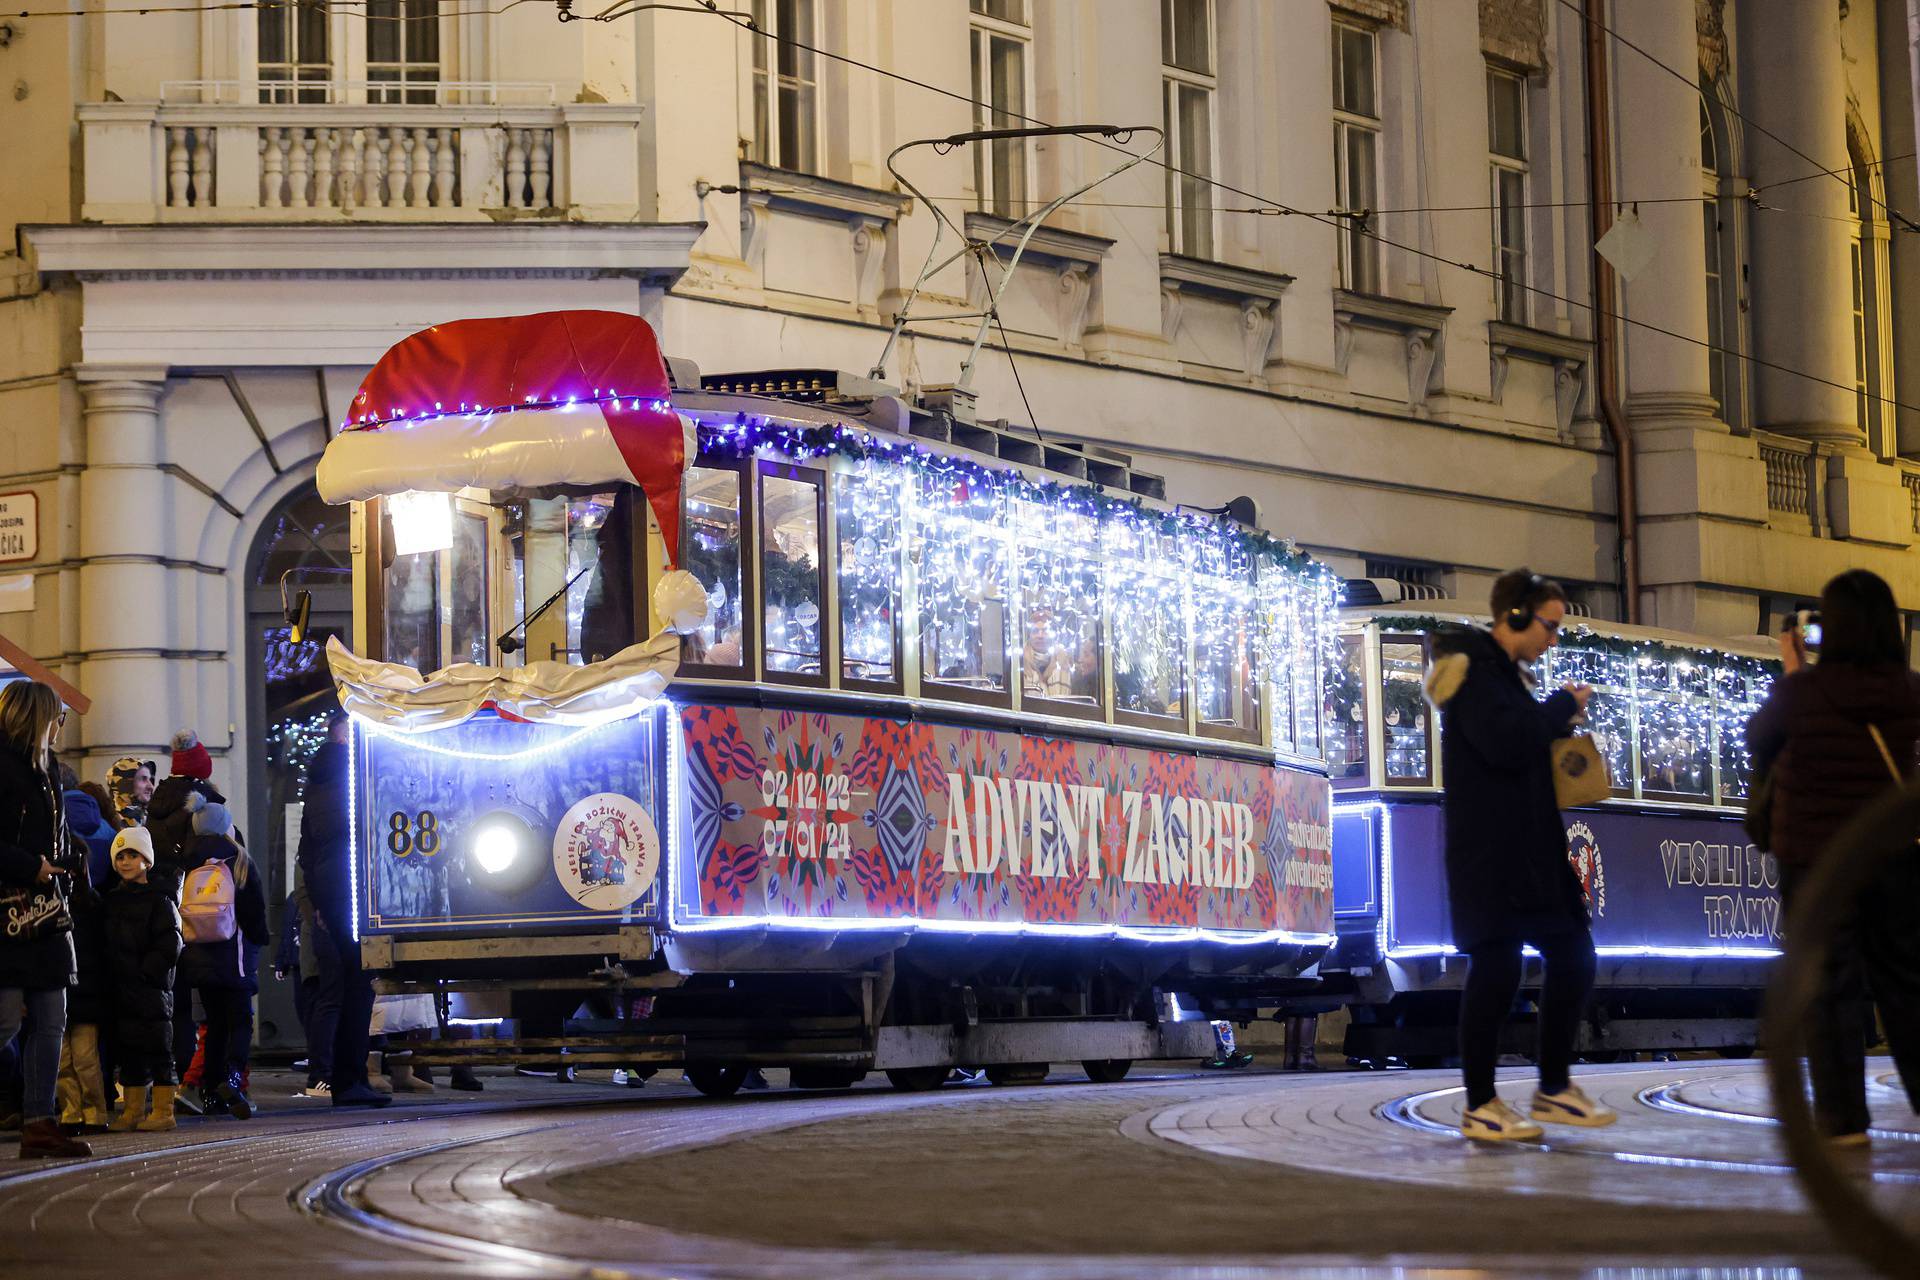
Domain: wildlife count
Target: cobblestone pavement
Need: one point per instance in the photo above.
(1172, 1173)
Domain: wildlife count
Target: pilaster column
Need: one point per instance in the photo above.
(1794, 85)
(130, 602)
(1658, 137)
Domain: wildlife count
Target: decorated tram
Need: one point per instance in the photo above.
(770, 719)
(1685, 911)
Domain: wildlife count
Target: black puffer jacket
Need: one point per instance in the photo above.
(1812, 733)
(170, 821)
(32, 827)
(90, 999)
(143, 944)
(324, 847)
(1507, 869)
(235, 962)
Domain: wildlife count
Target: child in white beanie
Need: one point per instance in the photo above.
(143, 943)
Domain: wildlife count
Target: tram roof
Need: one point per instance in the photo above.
(1458, 611)
(826, 397)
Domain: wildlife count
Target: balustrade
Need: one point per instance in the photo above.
(330, 160)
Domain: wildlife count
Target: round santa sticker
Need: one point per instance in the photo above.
(606, 851)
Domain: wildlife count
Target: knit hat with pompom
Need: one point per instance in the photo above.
(190, 756)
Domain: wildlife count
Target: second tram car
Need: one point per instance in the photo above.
(1685, 911)
(965, 749)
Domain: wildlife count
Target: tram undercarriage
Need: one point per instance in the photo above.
(914, 1010)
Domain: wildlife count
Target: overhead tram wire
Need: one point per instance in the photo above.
(1334, 221)
(1893, 215)
(746, 23)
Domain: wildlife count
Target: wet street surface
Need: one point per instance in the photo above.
(1175, 1172)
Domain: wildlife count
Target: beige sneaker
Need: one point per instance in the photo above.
(1497, 1122)
(1571, 1106)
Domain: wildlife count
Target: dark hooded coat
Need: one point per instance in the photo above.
(1508, 876)
(324, 845)
(1812, 734)
(32, 827)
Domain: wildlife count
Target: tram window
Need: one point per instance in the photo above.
(1676, 756)
(960, 548)
(1226, 695)
(1347, 713)
(866, 517)
(1610, 725)
(1309, 706)
(712, 535)
(413, 611)
(1060, 664)
(1736, 766)
(1406, 740)
(467, 587)
(1149, 639)
(583, 544)
(1280, 706)
(792, 573)
(600, 613)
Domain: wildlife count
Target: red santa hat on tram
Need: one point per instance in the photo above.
(525, 404)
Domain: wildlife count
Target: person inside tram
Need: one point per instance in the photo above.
(1086, 668)
(1046, 664)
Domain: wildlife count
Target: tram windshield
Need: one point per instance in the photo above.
(1668, 712)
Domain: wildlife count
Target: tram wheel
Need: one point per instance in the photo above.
(1017, 1072)
(1107, 1070)
(805, 1077)
(917, 1079)
(717, 1079)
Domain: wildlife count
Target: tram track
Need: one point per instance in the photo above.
(355, 1197)
(1409, 1111)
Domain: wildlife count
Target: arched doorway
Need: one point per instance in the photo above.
(303, 544)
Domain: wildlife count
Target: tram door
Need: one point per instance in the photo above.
(289, 696)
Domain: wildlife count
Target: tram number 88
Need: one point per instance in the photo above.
(419, 834)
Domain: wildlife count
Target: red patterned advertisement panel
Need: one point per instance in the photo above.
(805, 815)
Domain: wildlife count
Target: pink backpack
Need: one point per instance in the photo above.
(206, 903)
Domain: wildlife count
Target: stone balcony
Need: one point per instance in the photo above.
(475, 153)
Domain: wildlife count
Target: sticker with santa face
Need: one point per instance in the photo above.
(606, 851)
(1583, 851)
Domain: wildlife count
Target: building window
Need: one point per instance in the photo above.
(1721, 212)
(1000, 40)
(1872, 323)
(1507, 151)
(1356, 153)
(403, 50)
(295, 64)
(786, 86)
(1187, 85)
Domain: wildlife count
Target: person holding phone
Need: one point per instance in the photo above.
(1815, 737)
(36, 928)
(1509, 883)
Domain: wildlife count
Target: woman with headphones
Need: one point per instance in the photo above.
(1509, 883)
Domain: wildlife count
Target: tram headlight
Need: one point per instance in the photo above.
(495, 846)
(501, 853)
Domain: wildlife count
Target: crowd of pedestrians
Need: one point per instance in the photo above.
(131, 923)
